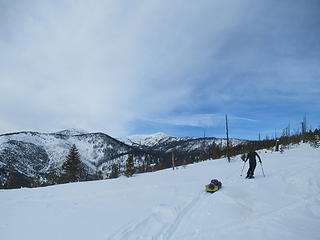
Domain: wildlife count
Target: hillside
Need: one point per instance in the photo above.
(29, 156)
(172, 204)
(32, 154)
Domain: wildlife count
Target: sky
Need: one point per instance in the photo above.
(177, 67)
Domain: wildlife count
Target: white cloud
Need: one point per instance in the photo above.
(104, 63)
(99, 65)
(197, 120)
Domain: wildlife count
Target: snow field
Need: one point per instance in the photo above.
(173, 205)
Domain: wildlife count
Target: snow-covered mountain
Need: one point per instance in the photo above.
(162, 142)
(173, 205)
(72, 131)
(32, 154)
(146, 140)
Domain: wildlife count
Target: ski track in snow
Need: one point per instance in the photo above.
(168, 205)
(166, 218)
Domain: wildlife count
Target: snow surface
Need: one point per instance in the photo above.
(173, 205)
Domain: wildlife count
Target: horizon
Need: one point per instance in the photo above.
(273, 135)
(125, 68)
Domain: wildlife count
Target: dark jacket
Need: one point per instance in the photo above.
(252, 157)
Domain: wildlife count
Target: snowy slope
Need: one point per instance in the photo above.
(33, 152)
(172, 204)
(92, 147)
(161, 142)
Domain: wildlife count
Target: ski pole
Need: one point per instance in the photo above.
(242, 168)
(262, 169)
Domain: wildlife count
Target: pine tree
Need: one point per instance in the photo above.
(71, 167)
(16, 180)
(114, 171)
(129, 166)
(98, 175)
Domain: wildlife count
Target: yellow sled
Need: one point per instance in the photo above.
(214, 186)
(211, 189)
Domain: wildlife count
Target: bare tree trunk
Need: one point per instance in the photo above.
(227, 131)
(172, 160)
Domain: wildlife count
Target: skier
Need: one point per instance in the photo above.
(252, 163)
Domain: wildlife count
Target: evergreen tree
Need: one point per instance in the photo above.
(36, 182)
(52, 176)
(114, 171)
(129, 166)
(98, 175)
(17, 180)
(71, 167)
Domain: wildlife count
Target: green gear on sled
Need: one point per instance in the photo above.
(214, 186)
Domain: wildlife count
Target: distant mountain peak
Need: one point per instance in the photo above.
(158, 134)
(72, 131)
(146, 139)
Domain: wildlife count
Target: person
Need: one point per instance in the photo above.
(252, 163)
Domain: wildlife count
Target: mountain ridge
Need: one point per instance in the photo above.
(24, 152)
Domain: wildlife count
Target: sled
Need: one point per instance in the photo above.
(214, 186)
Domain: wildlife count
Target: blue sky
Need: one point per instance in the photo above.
(139, 67)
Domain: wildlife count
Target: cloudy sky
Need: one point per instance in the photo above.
(173, 66)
